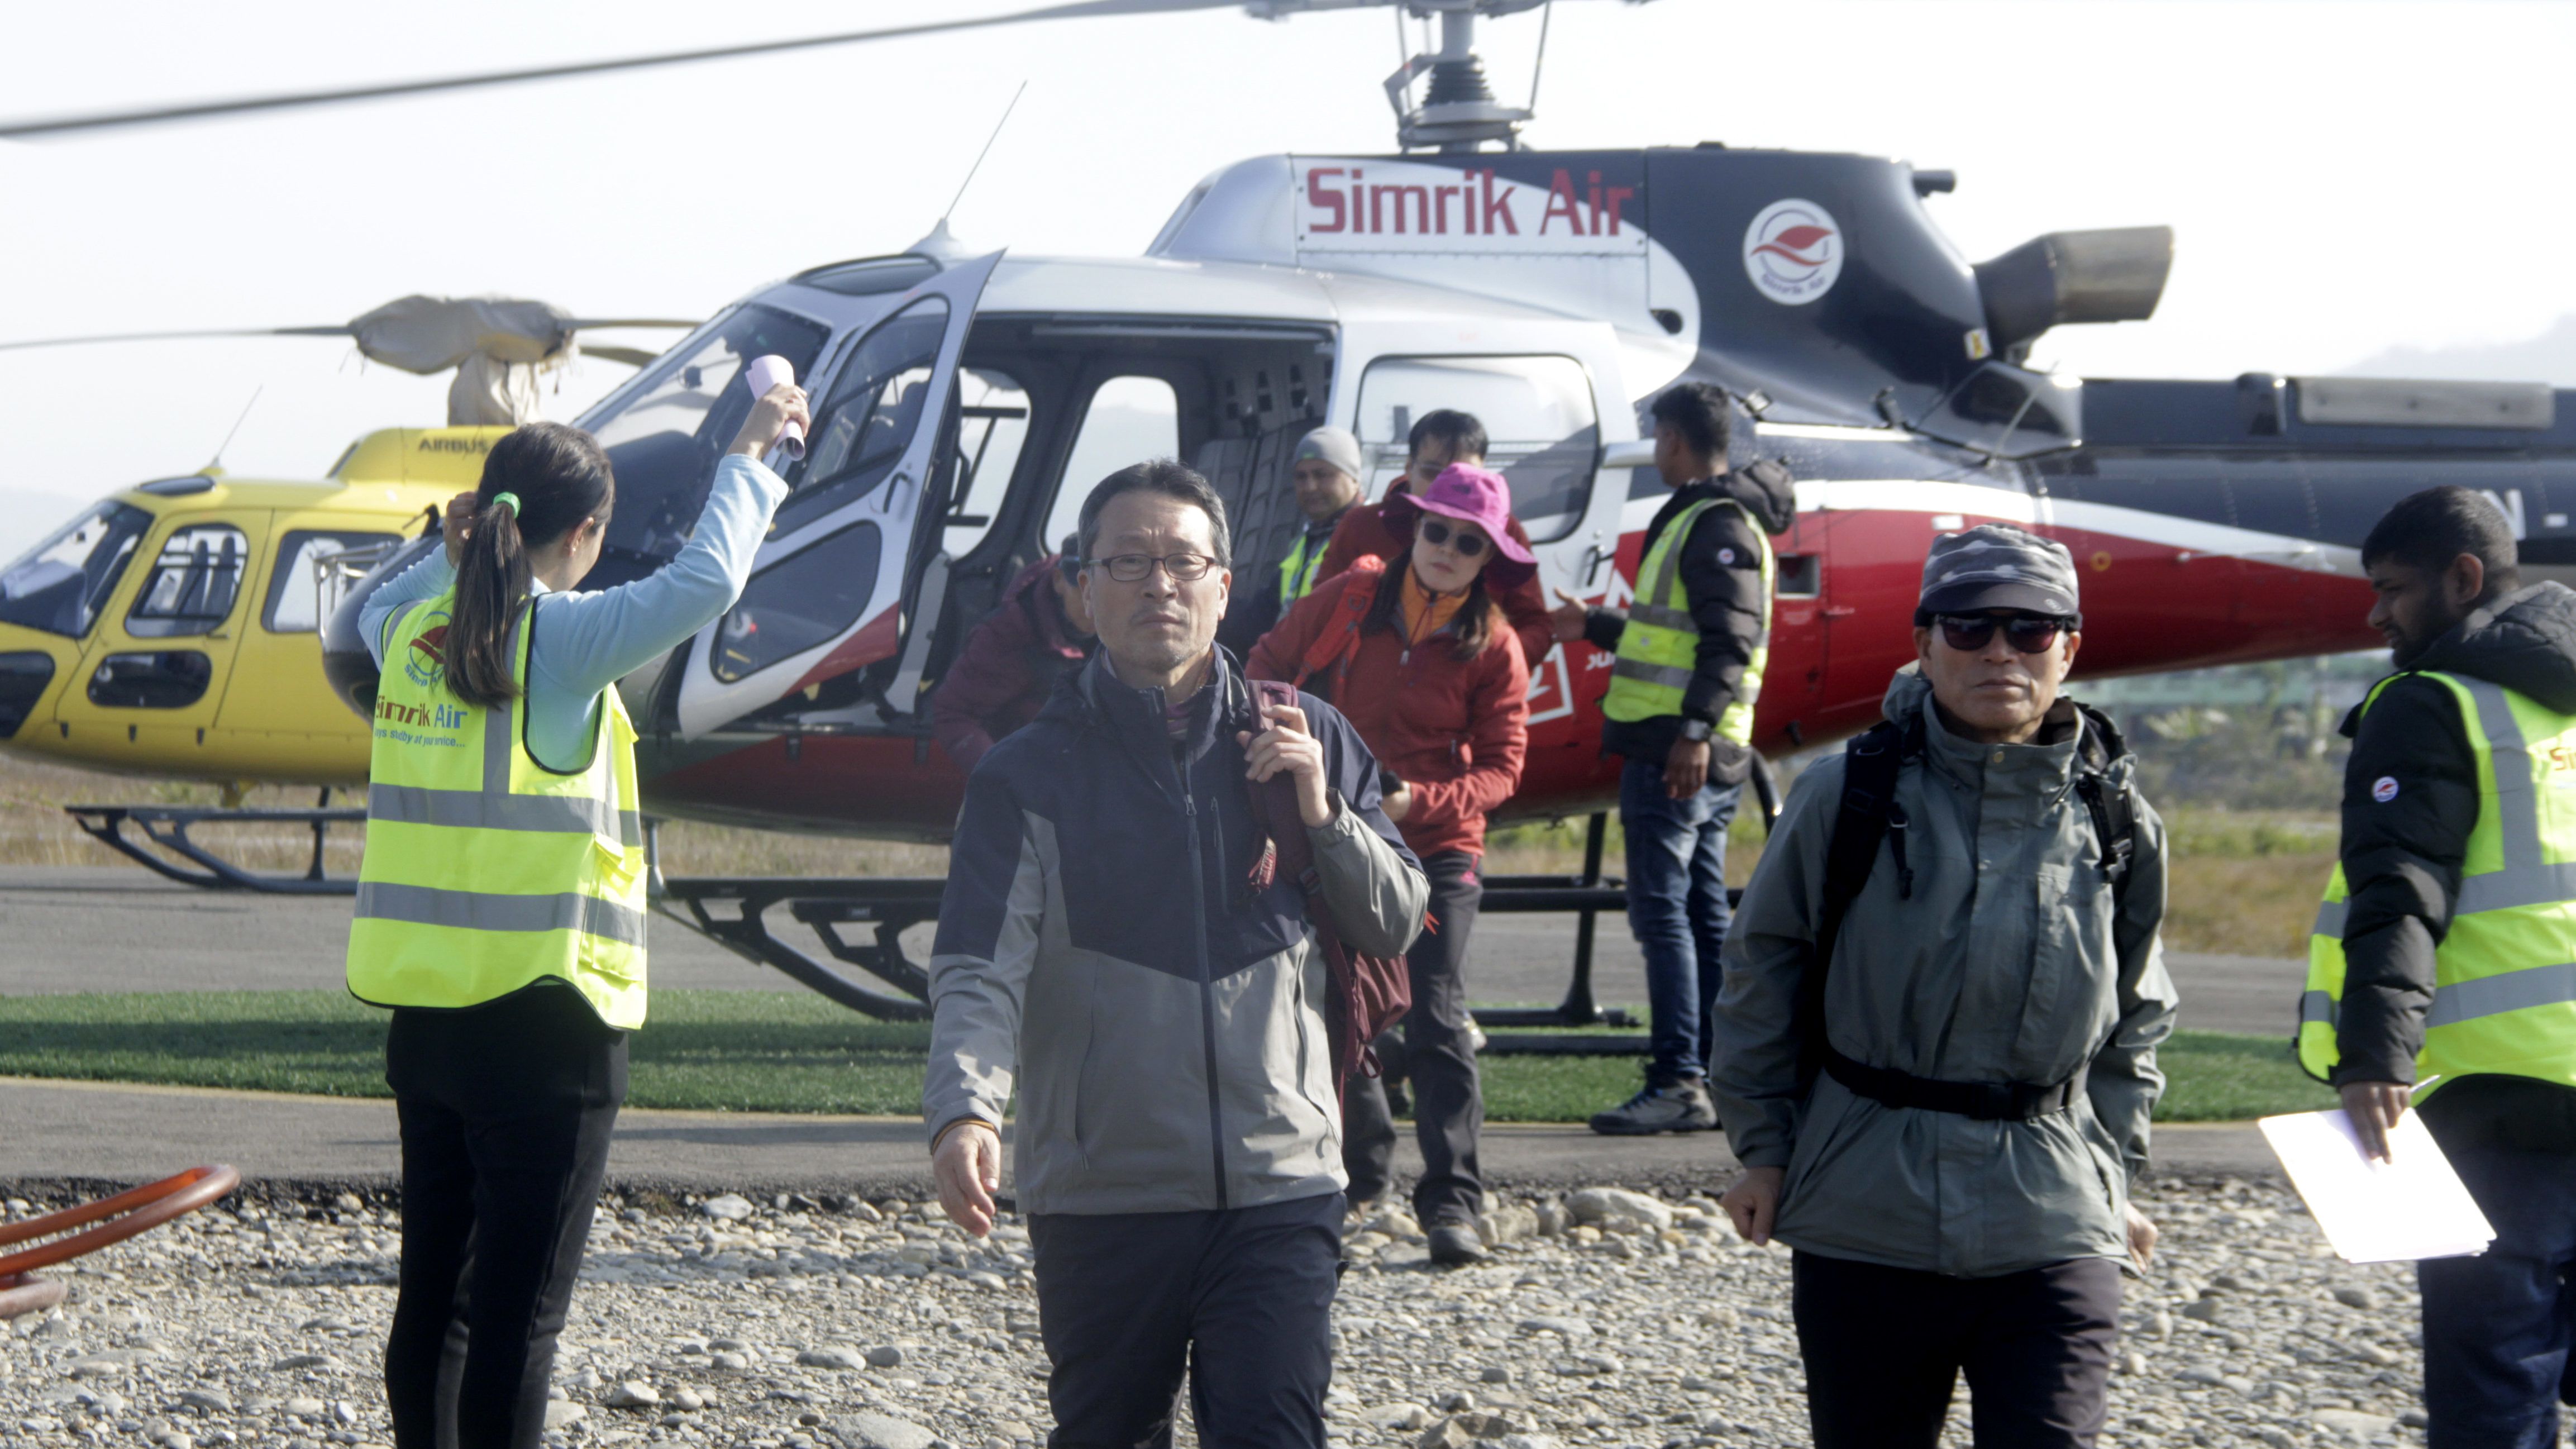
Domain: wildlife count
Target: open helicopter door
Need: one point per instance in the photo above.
(826, 593)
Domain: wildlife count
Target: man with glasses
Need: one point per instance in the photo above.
(1116, 947)
(1936, 1040)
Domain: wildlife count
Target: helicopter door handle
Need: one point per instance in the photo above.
(894, 486)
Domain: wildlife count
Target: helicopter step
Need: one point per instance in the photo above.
(167, 827)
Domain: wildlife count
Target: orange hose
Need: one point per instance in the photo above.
(144, 1209)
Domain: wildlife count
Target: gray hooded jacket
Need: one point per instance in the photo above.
(2008, 962)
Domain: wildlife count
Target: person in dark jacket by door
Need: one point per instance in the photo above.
(2438, 972)
(1680, 710)
(1421, 663)
(1113, 949)
(1040, 631)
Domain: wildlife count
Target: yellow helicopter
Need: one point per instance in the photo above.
(173, 629)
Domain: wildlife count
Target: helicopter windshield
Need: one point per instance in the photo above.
(665, 430)
(60, 583)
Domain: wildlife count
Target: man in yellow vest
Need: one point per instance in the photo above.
(1690, 650)
(2439, 969)
(1324, 475)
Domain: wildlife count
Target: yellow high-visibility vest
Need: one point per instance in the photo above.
(2504, 997)
(1297, 570)
(486, 871)
(1660, 644)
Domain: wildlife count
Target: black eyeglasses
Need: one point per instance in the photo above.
(1468, 543)
(1131, 568)
(2026, 633)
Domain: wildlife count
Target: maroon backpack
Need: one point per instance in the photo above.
(1368, 994)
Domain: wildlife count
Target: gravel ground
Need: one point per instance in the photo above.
(1621, 1319)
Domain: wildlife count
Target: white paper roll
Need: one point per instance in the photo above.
(769, 371)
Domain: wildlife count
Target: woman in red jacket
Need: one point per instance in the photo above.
(1418, 656)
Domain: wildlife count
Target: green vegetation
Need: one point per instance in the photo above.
(758, 1051)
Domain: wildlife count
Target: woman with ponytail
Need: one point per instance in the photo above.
(1417, 654)
(500, 907)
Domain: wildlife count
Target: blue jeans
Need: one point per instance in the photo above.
(1676, 908)
(2497, 1326)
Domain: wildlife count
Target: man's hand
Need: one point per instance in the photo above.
(2375, 1108)
(1287, 746)
(769, 418)
(1685, 768)
(1399, 804)
(2142, 1238)
(1566, 619)
(1754, 1202)
(456, 524)
(968, 1169)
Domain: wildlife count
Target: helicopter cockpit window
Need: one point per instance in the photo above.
(60, 583)
(1130, 419)
(193, 583)
(1537, 411)
(791, 606)
(876, 404)
(302, 593)
(665, 430)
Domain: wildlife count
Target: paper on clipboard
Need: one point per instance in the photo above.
(2413, 1206)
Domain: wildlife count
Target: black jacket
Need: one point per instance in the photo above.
(2402, 856)
(1721, 568)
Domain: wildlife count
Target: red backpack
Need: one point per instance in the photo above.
(1368, 994)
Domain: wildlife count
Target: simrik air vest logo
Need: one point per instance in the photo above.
(425, 661)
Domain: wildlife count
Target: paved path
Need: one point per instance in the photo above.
(101, 1132)
(114, 928)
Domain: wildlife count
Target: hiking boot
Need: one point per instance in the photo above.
(1455, 1245)
(1681, 1106)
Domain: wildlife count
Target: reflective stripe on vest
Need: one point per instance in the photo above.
(1297, 570)
(1659, 647)
(2504, 998)
(484, 870)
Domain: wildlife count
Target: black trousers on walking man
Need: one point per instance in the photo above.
(1438, 1058)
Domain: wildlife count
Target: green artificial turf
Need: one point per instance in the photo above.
(760, 1051)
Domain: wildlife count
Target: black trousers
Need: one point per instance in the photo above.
(1438, 1057)
(506, 1110)
(1885, 1348)
(1241, 1298)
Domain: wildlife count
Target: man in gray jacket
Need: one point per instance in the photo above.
(1946, 1124)
(1116, 944)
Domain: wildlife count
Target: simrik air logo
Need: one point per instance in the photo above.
(1793, 251)
(425, 661)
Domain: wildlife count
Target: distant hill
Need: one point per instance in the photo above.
(2549, 357)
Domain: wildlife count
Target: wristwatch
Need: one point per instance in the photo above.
(1696, 730)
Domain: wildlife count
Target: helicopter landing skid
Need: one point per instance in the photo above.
(167, 826)
(887, 906)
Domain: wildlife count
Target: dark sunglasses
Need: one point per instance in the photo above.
(1437, 534)
(2026, 633)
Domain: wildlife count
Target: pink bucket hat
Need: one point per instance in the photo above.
(1474, 495)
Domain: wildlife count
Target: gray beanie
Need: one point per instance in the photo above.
(1997, 566)
(1332, 445)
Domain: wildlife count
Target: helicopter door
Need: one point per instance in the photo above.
(826, 592)
(157, 664)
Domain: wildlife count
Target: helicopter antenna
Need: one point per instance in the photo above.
(980, 155)
(217, 461)
(1538, 67)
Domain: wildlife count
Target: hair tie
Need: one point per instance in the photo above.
(508, 500)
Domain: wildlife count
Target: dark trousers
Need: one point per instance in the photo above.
(1438, 1057)
(1677, 909)
(505, 1111)
(1241, 1298)
(1885, 1348)
(2497, 1326)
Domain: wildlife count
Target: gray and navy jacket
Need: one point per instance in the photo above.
(1102, 950)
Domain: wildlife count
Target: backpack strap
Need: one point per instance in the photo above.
(1339, 639)
(2113, 808)
(1868, 815)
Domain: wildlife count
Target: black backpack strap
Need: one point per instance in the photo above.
(2112, 806)
(1868, 815)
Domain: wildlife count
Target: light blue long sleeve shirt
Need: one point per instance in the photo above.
(586, 642)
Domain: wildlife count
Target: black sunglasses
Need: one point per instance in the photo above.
(2026, 633)
(1436, 533)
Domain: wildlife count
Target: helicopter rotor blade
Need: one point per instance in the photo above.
(336, 329)
(202, 110)
(631, 356)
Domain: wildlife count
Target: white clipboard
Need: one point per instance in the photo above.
(2412, 1206)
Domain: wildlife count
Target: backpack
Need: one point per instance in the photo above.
(1366, 994)
(1339, 639)
(1869, 814)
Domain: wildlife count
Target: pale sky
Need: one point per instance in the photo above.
(2345, 178)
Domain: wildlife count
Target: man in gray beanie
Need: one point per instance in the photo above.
(1324, 473)
(1935, 1041)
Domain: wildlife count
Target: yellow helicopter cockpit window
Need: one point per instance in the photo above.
(59, 585)
(193, 583)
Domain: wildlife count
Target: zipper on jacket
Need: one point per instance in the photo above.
(1207, 987)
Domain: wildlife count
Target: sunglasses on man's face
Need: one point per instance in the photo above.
(1468, 542)
(2026, 633)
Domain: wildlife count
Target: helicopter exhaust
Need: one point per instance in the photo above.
(2115, 275)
